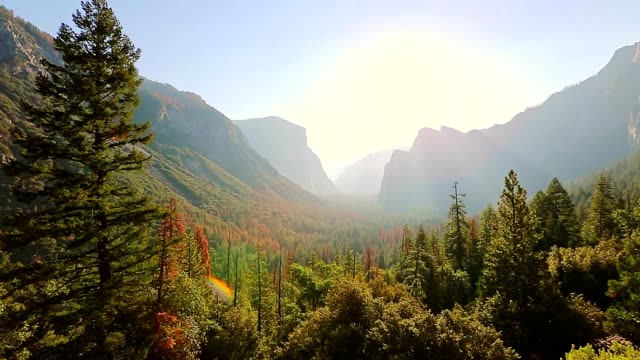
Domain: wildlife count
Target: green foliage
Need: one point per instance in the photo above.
(355, 284)
(457, 232)
(585, 270)
(358, 326)
(512, 265)
(477, 249)
(313, 283)
(616, 351)
(418, 268)
(557, 219)
(623, 316)
(85, 229)
(599, 223)
(235, 337)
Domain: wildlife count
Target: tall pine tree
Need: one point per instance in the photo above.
(457, 231)
(512, 265)
(87, 224)
(599, 223)
(557, 219)
(416, 265)
(624, 315)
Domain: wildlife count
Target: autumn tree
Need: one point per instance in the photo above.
(74, 205)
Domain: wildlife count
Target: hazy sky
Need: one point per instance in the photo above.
(365, 75)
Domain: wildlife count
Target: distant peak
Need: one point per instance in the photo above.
(449, 130)
(427, 132)
(622, 57)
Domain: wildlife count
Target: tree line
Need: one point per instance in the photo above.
(92, 268)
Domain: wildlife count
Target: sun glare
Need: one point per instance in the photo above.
(410, 80)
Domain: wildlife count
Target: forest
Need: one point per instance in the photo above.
(99, 262)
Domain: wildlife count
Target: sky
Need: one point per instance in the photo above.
(366, 75)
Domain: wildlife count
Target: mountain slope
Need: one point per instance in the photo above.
(285, 146)
(208, 142)
(365, 175)
(182, 119)
(581, 128)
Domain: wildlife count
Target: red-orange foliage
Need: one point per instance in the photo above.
(174, 229)
(203, 247)
(170, 337)
(171, 227)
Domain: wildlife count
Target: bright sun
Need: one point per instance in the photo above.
(410, 81)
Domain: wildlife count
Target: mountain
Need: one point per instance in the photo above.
(194, 144)
(365, 175)
(285, 146)
(583, 127)
(184, 120)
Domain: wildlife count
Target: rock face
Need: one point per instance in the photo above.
(575, 131)
(22, 45)
(364, 177)
(190, 135)
(284, 145)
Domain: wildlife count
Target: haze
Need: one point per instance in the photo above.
(366, 75)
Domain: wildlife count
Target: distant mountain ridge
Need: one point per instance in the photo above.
(195, 144)
(364, 177)
(285, 146)
(581, 128)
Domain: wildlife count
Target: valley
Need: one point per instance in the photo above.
(139, 221)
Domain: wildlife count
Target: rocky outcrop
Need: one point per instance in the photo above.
(581, 128)
(285, 146)
(364, 177)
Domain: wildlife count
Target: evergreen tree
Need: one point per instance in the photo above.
(416, 265)
(457, 229)
(405, 247)
(476, 254)
(624, 316)
(512, 266)
(487, 227)
(557, 219)
(599, 223)
(86, 222)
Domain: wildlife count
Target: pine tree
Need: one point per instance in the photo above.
(476, 254)
(405, 246)
(235, 283)
(512, 265)
(557, 219)
(624, 315)
(458, 228)
(416, 268)
(74, 204)
(487, 227)
(599, 223)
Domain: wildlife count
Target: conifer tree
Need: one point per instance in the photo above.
(458, 227)
(476, 253)
(599, 223)
(73, 201)
(405, 246)
(487, 226)
(624, 316)
(416, 268)
(557, 219)
(512, 265)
